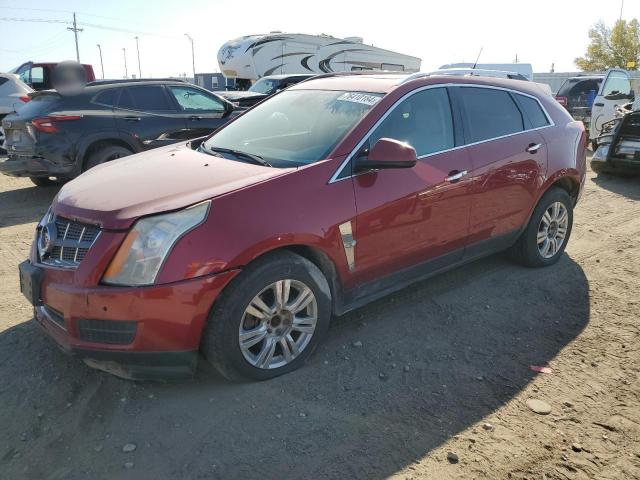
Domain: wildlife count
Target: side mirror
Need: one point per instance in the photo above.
(387, 153)
(616, 95)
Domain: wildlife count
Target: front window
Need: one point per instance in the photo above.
(265, 86)
(296, 127)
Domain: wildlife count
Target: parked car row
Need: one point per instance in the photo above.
(325, 196)
(57, 136)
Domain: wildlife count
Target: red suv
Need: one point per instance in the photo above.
(334, 192)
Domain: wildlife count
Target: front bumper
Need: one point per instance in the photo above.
(604, 162)
(169, 321)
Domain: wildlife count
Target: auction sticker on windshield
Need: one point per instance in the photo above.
(363, 98)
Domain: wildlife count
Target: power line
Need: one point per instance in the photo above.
(75, 31)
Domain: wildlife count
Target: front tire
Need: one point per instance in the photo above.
(268, 321)
(545, 238)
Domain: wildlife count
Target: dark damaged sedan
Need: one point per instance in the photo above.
(55, 137)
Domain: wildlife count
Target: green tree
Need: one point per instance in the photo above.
(609, 48)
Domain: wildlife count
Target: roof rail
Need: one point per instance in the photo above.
(415, 76)
(134, 80)
(354, 73)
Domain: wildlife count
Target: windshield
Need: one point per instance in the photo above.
(265, 86)
(295, 127)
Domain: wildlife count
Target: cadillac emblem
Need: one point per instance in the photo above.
(47, 239)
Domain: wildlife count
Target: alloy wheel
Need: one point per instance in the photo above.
(278, 324)
(552, 230)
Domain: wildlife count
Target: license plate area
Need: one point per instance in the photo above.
(16, 136)
(31, 282)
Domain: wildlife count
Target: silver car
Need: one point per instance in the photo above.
(13, 94)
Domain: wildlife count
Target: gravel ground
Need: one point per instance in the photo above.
(431, 382)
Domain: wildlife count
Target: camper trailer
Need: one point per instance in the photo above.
(249, 58)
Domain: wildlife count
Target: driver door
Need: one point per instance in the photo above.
(410, 216)
(616, 90)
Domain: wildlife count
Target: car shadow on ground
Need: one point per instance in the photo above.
(33, 202)
(627, 185)
(392, 381)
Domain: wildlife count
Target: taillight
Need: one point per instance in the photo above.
(48, 124)
(25, 98)
(564, 101)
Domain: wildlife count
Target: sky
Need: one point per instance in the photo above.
(539, 32)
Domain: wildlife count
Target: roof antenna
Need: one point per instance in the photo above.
(477, 58)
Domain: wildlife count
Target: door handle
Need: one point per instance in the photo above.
(598, 104)
(455, 175)
(534, 147)
(132, 119)
(195, 117)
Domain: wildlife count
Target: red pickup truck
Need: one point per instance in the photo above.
(38, 75)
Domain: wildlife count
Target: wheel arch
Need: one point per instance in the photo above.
(320, 259)
(96, 142)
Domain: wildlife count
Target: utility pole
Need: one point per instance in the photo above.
(138, 49)
(124, 54)
(193, 57)
(101, 64)
(75, 31)
(621, 8)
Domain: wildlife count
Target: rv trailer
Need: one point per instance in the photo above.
(249, 58)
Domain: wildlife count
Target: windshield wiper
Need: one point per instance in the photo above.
(256, 159)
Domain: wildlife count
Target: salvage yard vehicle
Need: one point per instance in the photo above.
(335, 192)
(39, 76)
(618, 88)
(249, 58)
(263, 88)
(619, 144)
(577, 95)
(13, 94)
(58, 136)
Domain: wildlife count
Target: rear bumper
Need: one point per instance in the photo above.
(168, 319)
(34, 166)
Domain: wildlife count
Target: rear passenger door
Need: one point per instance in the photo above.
(202, 112)
(147, 114)
(509, 159)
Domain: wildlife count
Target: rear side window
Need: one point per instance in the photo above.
(423, 121)
(150, 98)
(192, 100)
(107, 97)
(3, 80)
(489, 113)
(533, 111)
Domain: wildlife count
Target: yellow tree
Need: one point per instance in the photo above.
(609, 48)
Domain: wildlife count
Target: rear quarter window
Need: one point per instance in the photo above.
(532, 109)
(106, 97)
(3, 80)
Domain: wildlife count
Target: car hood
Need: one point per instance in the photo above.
(233, 95)
(117, 193)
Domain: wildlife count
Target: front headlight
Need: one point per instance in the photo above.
(146, 246)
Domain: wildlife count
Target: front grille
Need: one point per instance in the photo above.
(107, 331)
(70, 241)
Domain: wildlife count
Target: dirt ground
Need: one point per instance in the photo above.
(443, 370)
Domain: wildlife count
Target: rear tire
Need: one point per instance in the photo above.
(539, 245)
(106, 154)
(232, 317)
